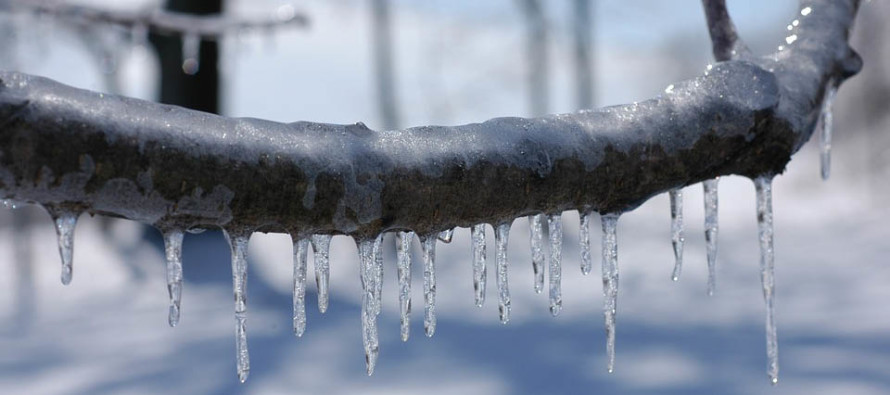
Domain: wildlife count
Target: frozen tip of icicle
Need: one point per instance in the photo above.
(242, 376)
(371, 362)
(536, 235)
(446, 235)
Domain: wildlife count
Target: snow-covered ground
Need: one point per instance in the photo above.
(107, 332)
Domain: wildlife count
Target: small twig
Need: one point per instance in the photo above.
(724, 39)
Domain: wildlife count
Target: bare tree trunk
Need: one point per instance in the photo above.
(383, 64)
(198, 91)
(581, 31)
(537, 56)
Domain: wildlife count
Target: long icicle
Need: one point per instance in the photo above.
(479, 270)
(173, 249)
(763, 186)
(238, 244)
(827, 120)
(321, 247)
(677, 238)
(428, 243)
(501, 237)
(65, 221)
(584, 236)
(710, 194)
(554, 227)
(301, 250)
(610, 282)
(377, 252)
(536, 235)
(367, 274)
(403, 251)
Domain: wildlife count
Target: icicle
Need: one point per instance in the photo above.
(368, 275)
(321, 246)
(763, 186)
(378, 273)
(403, 250)
(301, 250)
(710, 188)
(610, 282)
(536, 232)
(65, 222)
(428, 243)
(554, 227)
(446, 235)
(191, 48)
(173, 249)
(825, 135)
(238, 243)
(479, 272)
(584, 236)
(677, 238)
(501, 236)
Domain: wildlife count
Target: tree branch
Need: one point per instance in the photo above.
(163, 22)
(170, 166)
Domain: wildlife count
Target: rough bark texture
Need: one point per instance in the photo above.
(170, 166)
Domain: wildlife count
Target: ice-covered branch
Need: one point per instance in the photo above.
(161, 21)
(166, 165)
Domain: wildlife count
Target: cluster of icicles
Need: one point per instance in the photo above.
(371, 268)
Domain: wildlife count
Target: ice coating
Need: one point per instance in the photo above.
(763, 187)
(826, 123)
(321, 246)
(677, 238)
(173, 250)
(65, 221)
(584, 240)
(428, 243)
(554, 227)
(501, 237)
(610, 282)
(238, 241)
(479, 270)
(536, 233)
(301, 252)
(368, 276)
(710, 197)
(403, 252)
